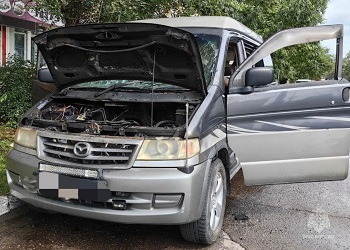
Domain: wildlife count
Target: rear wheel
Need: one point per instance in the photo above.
(208, 227)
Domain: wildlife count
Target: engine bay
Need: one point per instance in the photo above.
(116, 119)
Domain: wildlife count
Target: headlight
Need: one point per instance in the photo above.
(160, 149)
(26, 137)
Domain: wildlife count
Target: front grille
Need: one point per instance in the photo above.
(103, 151)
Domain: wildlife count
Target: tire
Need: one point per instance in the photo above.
(207, 229)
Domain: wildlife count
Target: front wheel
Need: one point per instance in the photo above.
(208, 227)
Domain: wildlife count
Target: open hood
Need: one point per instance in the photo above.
(122, 51)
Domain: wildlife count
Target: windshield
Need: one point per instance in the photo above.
(209, 49)
(208, 46)
(129, 84)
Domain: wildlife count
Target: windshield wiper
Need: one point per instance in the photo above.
(64, 91)
(110, 88)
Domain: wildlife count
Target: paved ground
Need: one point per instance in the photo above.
(37, 231)
(298, 216)
(291, 216)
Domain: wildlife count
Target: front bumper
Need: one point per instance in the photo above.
(154, 195)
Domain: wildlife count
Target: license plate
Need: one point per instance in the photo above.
(55, 185)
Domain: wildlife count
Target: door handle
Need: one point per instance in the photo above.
(346, 94)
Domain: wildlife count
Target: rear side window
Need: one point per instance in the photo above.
(249, 48)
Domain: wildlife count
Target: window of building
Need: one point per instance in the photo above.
(34, 52)
(20, 43)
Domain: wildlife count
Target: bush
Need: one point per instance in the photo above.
(15, 89)
(6, 138)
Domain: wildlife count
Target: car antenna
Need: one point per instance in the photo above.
(186, 135)
(154, 66)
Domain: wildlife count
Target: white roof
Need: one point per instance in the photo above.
(219, 22)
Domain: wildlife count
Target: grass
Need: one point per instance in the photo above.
(6, 138)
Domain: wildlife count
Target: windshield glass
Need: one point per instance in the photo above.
(128, 84)
(208, 46)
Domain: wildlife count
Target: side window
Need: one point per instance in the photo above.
(266, 62)
(249, 48)
(232, 60)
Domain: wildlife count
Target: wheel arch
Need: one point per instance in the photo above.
(221, 151)
(223, 155)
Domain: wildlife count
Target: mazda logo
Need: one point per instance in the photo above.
(82, 149)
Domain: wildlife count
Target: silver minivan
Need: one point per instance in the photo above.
(143, 128)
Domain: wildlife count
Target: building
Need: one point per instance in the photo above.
(18, 24)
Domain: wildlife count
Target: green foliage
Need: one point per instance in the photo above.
(310, 61)
(128, 10)
(208, 8)
(266, 17)
(269, 17)
(73, 12)
(15, 89)
(6, 138)
(294, 62)
(346, 66)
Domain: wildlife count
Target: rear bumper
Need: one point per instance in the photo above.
(155, 195)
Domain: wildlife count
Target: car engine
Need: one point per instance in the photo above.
(107, 118)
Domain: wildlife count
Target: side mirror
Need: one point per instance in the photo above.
(259, 76)
(44, 75)
(254, 77)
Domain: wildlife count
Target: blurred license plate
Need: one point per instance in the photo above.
(54, 185)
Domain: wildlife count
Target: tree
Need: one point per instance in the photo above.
(346, 66)
(73, 12)
(266, 17)
(306, 61)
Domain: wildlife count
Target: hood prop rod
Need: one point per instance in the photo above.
(186, 135)
(154, 66)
